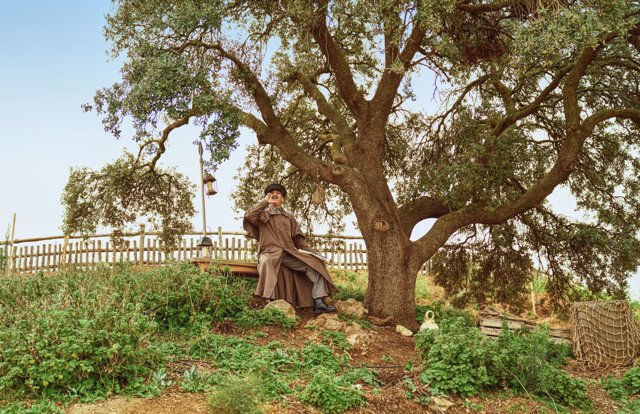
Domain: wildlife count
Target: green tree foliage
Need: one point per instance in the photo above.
(529, 96)
(119, 193)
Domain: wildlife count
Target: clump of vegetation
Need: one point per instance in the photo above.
(331, 393)
(87, 334)
(237, 396)
(622, 389)
(252, 318)
(32, 407)
(635, 308)
(351, 285)
(71, 342)
(458, 359)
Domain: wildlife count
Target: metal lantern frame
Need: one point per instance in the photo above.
(210, 183)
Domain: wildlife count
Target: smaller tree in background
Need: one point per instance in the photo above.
(124, 191)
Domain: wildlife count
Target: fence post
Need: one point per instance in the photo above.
(141, 258)
(11, 248)
(63, 254)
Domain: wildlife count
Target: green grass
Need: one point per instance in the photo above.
(83, 336)
(635, 309)
(353, 284)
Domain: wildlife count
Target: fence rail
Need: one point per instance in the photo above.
(48, 254)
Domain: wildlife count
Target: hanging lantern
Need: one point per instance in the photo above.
(205, 246)
(211, 184)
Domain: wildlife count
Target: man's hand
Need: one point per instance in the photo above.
(268, 199)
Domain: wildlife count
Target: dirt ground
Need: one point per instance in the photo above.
(388, 354)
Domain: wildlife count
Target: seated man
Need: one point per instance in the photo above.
(284, 252)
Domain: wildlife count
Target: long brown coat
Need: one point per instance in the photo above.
(278, 232)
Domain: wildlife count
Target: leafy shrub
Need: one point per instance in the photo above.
(457, 359)
(444, 315)
(351, 285)
(528, 361)
(84, 334)
(621, 389)
(61, 351)
(316, 356)
(177, 294)
(521, 357)
(331, 393)
(559, 386)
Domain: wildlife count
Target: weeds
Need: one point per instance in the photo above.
(237, 396)
(458, 359)
(622, 389)
(331, 393)
(351, 285)
(253, 318)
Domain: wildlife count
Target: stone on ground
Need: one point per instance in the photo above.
(355, 335)
(351, 307)
(403, 331)
(283, 306)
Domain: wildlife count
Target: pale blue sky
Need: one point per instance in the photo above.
(53, 57)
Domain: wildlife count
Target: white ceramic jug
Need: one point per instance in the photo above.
(428, 323)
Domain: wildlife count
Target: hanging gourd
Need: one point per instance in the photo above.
(318, 195)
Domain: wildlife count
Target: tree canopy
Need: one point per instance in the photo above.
(466, 112)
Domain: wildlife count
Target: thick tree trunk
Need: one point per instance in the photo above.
(392, 281)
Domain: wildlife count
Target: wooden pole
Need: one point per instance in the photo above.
(10, 251)
(204, 211)
(533, 298)
(63, 253)
(141, 257)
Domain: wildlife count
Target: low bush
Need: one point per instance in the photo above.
(76, 351)
(331, 393)
(521, 357)
(458, 359)
(176, 295)
(621, 389)
(86, 334)
(444, 315)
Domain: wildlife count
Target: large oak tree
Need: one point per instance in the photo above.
(528, 95)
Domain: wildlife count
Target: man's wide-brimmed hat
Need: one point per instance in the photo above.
(278, 187)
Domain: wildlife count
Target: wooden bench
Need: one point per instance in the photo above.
(241, 269)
